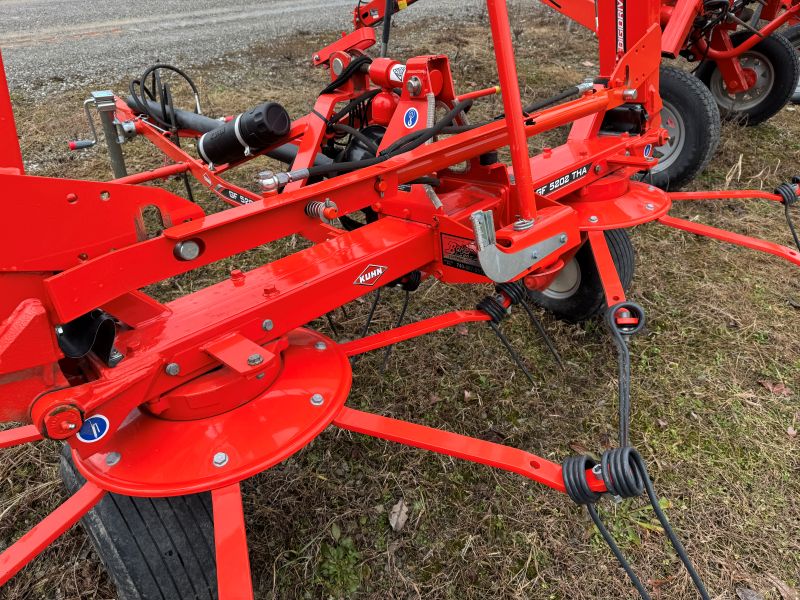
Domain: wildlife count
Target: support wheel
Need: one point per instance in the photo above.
(577, 294)
(777, 67)
(691, 117)
(153, 548)
(793, 35)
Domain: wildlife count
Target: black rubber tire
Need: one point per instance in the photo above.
(589, 299)
(793, 35)
(699, 120)
(786, 68)
(153, 548)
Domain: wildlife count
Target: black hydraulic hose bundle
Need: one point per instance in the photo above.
(350, 70)
(402, 145)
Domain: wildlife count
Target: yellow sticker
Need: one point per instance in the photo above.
(402, 4)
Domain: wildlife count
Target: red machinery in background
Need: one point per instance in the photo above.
(393, 185)
(745, 57)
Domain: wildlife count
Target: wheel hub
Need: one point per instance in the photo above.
(673, 122)
(761, 72)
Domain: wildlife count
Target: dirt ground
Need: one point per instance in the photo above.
(716, 392)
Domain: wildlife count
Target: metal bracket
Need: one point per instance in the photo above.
(500, 266)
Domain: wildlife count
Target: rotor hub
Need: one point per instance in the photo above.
(154, 456)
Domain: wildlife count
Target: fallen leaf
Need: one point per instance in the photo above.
(786, 592)
(777, 389)
(336, 532)
(462, 330)
(662, 423)
(748, 594)
(579, 448)
(791, 432)
(587, 63)
(467, 394)
(398, 515)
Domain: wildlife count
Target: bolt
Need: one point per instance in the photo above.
(630, 94)
(220, 459)
(597, 471)
(414, 86)
(535, 255)
(187, 250)
(267, 325)
(563, 239)
(255, 359)
(597, 169)
(337, 66)
(59, 330)
(316, 58)
(321, 346)
(593, 219)
(650, 206)
(113, 458)
(260, 376)
(172, 369)
(317, 399)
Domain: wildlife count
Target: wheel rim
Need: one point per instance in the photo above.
(673, 122)
(566, 283)
(749, 99)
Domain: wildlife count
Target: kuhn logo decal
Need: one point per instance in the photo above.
(370, 275)
(621, 35)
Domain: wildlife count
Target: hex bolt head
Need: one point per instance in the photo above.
(267, 325)
(187, 250)
(317, 399)
(650, 206)
(113, 458)
(563, 239)
(414, 86)
(321, 346)
(220, 459)
(172, 369)
(255, 359)
(593, 219)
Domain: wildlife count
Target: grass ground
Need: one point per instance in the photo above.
(716, 389)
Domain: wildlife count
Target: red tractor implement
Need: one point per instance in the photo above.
(745, 54)
(174, 400)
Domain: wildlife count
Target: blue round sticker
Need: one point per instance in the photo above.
(93, 429)
(410, 118)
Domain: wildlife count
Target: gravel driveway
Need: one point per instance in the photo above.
(56, 45)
